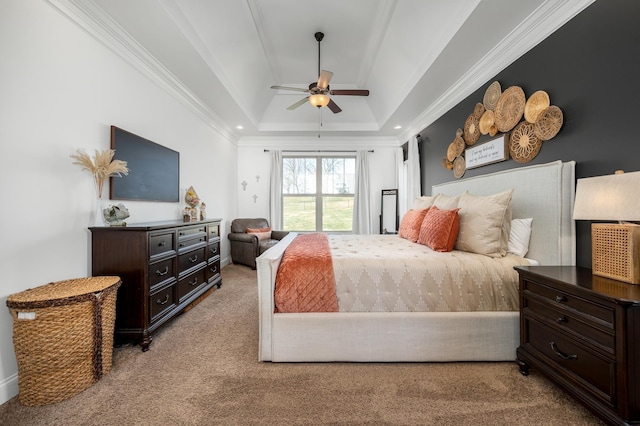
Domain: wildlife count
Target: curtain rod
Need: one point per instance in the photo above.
(317, 150)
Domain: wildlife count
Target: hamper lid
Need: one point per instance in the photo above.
(60, 292)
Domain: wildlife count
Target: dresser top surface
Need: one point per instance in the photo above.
(152, 226)
(584, 280)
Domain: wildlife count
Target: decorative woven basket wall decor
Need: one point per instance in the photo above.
(509, 108)
(614, 251)
(486, 121)
(472, 129)
(63, 337)
(548, 123)
(491, 96)
(479, 110)
(535, 105)
(524, 145)
(459, 167)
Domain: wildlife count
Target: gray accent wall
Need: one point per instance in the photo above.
(590, 68)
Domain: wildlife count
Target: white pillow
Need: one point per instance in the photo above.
(446, 202)
(421, 203)
(485, 222)
(519, 236)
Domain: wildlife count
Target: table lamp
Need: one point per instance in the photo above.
(614, 246)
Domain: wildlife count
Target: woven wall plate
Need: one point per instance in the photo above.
(471, 129)
(509, 108)
(459, 167)
(548, 123)
(491, 96)
(451, 152)
(535, 105)
(493, 130)
(524, 145)
(446, 164)
(486, 121)
(479, 110)
(459, 132)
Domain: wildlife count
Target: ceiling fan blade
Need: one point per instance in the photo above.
(297, 104)
(297, 89)
(324, 78)
(333, 107)
(354, 92)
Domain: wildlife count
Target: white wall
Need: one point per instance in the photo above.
(61, 89)
(253, 161)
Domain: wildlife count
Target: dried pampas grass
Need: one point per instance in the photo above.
(101, 166)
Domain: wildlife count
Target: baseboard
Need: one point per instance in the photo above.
(8, 388)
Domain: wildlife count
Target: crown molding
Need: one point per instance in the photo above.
(544, 21)
(94, 21)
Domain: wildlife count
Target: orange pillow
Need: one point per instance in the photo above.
(261, 233)
(439, 229)
(410, 224)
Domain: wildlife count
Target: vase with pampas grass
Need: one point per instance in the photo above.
(101, 166)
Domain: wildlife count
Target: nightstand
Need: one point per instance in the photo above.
(583, 332)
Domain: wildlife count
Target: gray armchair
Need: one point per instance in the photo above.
(246, 247)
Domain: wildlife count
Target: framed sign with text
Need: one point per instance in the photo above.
(490, 152)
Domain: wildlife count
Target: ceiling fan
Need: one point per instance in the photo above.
(319, 91)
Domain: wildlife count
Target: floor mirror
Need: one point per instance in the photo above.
(389, 212)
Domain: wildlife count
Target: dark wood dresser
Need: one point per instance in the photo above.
(583, 332)
(164, 267)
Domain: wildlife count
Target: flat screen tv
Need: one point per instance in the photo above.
(154, 170)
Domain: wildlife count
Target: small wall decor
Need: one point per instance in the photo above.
(257, 178)
(244, 185)
(503, 111)
(255, 198)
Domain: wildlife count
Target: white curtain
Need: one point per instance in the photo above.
(413, 173)
(401, 182)
(361, 215)
(275, 195)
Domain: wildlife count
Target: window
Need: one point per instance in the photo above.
(317, 193)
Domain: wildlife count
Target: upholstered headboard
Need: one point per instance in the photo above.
(543, 192)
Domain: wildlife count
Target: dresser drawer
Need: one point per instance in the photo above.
(593, 372)
(192, 259)
(598, 312)
(213, 231)
(191, 231)
(161, 271)
(191, 283)
(161, 244)
(161, 302)
(571, 322)
(193, 241)
(213, 249)
(213, 268)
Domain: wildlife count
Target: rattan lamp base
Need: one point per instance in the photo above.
(614, 249)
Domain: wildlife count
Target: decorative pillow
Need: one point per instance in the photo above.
(485, 222)
(446, 202)
(519, 236)
(410, 224)
(439, 229)
(423, 202)
(261, 233)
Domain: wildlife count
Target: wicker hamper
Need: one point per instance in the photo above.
(63, 337)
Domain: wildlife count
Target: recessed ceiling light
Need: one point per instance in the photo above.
(239, 127)
(398, 127)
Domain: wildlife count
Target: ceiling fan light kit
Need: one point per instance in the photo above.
(319, 100)
(319, 92)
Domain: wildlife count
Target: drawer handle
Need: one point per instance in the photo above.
(160, 273)
(162, 243)
(561, 299)
(564, 356)
(193, 259)
(194, 282)
(214, 250)
(214, 269)
(560, 320)
(163, 302)
(181, 244)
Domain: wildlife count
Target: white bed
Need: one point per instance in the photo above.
(543, 192)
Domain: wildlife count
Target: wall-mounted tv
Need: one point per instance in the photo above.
(154, 170)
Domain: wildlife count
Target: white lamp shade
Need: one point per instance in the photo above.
(319, 100)
(610, 197)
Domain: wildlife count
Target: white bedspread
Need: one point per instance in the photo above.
(385, 273)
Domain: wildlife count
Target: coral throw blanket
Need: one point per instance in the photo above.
(305, 281)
